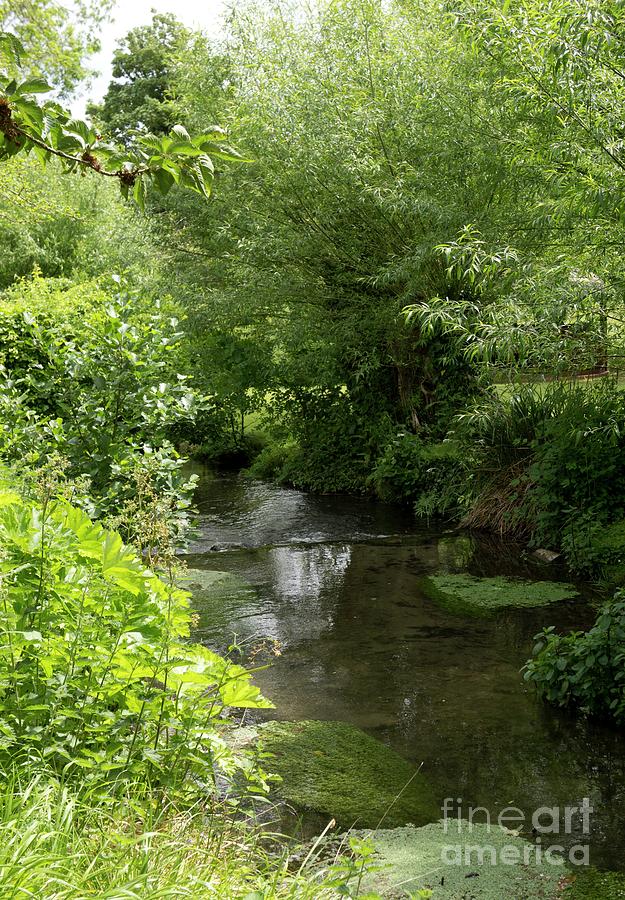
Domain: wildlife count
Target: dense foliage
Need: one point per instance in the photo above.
(93, 671)
(89, 372)
(404, 288)
(584, 670)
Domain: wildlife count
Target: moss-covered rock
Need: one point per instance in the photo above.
(467, 866)
(339, 771)
(481, 596)
(590, 884)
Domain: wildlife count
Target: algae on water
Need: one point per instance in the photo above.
(481, 864)
(480, 596)
(339, 771)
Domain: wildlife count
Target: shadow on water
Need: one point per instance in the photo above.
(336, 590)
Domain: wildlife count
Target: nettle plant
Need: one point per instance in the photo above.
(145, 160)
(96, 677)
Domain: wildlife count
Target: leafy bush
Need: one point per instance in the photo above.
(37, 315)
(95, 674)
(578, 472)
(596, 549)
(275, 462)
(550, 466)
(101, 387)
(431, 475)
(337, 435)
(585, 670)
(400, 472)
(501, 433)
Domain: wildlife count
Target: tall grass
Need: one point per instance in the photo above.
(55, 845)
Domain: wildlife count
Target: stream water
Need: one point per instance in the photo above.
(334, 582)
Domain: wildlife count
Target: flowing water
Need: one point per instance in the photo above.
(333, 588)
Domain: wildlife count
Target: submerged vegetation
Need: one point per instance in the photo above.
(481, 596)
(433, 859)
(354, 247)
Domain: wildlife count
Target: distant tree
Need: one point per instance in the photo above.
(140, 95)
(57, 38)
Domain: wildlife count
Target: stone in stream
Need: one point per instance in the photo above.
(480, 596)
(208, 582)
(339, 771)
(546, 556)
(484, 863)
(216, 596)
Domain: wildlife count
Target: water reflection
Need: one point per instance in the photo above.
(336, 582)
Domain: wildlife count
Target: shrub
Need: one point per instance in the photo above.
(400, 472)
(338, 436)
(585, 670)
(578, 471)
(433, 476)
(276, 462)
(550, 467)
(104, 392)
(96, 677)
(501, 433)
(37, 316)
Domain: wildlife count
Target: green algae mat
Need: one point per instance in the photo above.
(481, 596)
(473, 865)
(341, 772)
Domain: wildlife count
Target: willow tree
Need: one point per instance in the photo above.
(562, 64)
(374, 140)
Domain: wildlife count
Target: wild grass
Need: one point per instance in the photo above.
(58, 845)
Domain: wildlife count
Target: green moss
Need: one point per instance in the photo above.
(339, 771)
(480, 596)
(413, 859)
(590, 884)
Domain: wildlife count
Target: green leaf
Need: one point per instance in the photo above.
(34, 86)
(31, 637)
(138, 193)
(181, 132)
(163, 179)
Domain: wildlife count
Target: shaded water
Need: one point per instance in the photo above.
(335, 585)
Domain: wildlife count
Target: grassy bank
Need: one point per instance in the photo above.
(59, 844)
